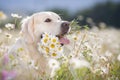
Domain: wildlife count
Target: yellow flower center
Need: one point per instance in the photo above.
(75, 38)
(46, 35)
(54, 54)
(54, 40)
(59, 48)
(42, 46)
(58, 43)
(52, 46)
(47, 49)
(1, 14)
(78, 32)
(45, 40)
(20, 49)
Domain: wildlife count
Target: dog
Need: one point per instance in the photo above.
(32, 29)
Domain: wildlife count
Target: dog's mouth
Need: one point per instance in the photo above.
(63, 40)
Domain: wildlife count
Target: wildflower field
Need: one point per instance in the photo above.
(92, 54)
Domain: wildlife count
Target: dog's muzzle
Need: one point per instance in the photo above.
(65, 27)
(64, 30)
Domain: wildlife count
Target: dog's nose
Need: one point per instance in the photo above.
(65, 24)
(65, 27)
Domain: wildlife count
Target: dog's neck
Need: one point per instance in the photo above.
(32, 48)
(29, 44)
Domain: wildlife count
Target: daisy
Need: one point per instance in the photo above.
(45, 41)
(54, 40)
(10, 26)
(45, 35)
(16, 15)
(2, 16)
(31, 63)
(8, 35)
(77, 63)
(20, 49)
(105, 70)
(54, 54)
(118, 57)
(47, 50)
(75, 38)
(52, 46)
(60, 49)
(8, 75)
(53, 64)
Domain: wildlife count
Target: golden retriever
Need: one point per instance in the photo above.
(26, 45)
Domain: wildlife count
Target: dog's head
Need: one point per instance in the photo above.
(38, 23)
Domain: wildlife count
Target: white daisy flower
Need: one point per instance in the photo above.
(45, 41)
(105, 70)
(60, 49)
(16, 15)
(46, 51)
(8, 35)
(31, 63)
(2, 16)
(118, 57)
(54, 39)
(52, 46)
(108, 54)
(103, 58)
(54, 66)
(75, 38)
(77, 63)
(54, 54)
(14, 62)
(45, 35)
(10, 26)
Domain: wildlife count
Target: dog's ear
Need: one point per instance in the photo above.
(27, 30)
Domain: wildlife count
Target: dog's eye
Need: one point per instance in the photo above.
(48, 20)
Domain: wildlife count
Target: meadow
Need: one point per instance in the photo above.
(93, 54)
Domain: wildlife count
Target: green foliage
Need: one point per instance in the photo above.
(64, 73)
(79, 74)
(115, 70)
(102, 12)
(107, 12)
(74, 25)
(11, 20)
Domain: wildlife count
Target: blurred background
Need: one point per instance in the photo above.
(86, 12)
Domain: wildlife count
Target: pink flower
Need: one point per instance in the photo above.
(6, 59)
(7, 75)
